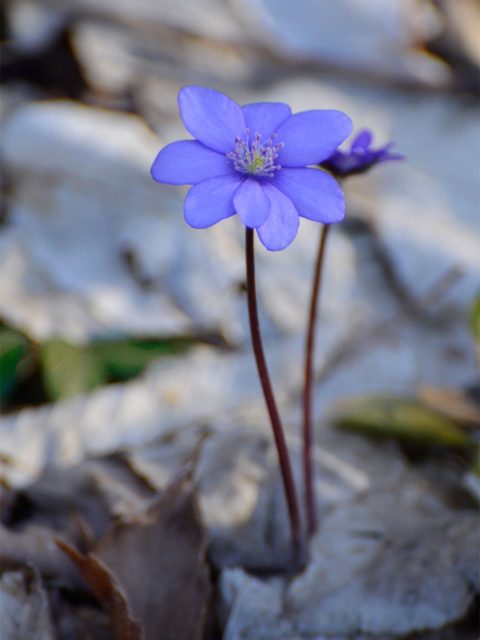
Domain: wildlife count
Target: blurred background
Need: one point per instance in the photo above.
(120, 325)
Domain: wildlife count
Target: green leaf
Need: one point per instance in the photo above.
(401, 418)
(13, 349)
(476, 463)
(475, 318)
(125, 359)
(69, 369)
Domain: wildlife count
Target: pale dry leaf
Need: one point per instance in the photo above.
(24, 608)
(97, 490)
(373, 569)
(35, 546)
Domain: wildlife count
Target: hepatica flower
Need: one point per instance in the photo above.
(254, 161)
(360, 157)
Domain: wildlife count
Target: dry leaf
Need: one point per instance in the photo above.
(382, 565)
(96, 491)
(106, 588)
(161, 563)
(24, 610)
(150, 572)
(35, 546)
(452, 402)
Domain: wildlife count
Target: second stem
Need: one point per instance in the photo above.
(309, 495)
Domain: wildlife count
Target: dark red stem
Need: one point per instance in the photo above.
(309, 495)
(280, 443)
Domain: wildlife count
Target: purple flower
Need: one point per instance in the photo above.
(252, 161)
(360, 158)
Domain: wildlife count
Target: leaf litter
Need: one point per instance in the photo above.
(121, 546)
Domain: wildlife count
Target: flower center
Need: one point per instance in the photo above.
(254, 157)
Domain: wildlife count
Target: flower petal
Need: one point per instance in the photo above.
(189, 162)
(251, 203)
(281, 226)
(362, 141)
(315, 194)
(311, 136)
(211, 117)
(265, 117)
(211, 201)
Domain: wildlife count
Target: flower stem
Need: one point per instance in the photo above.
(280, 443)
(309, 496)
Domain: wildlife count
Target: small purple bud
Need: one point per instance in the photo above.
(360, 157)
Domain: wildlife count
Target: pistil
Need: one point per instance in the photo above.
(256, 158)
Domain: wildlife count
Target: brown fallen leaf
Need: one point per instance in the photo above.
(452, 402)
(150, 572)
(106, 588)
(78, 621)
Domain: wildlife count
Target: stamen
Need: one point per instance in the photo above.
(254, 157)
